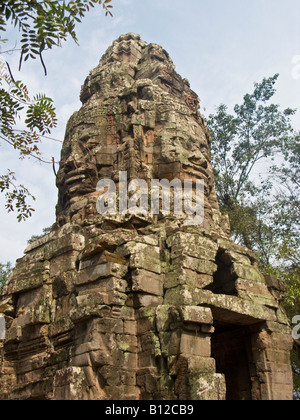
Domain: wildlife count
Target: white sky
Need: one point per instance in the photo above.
(221, 46)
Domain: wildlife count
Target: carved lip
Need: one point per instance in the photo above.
(73, 179)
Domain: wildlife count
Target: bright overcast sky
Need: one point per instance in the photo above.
(221, 46)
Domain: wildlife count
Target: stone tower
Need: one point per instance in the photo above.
(137, 306)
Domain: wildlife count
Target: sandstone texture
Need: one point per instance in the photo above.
(130, 307)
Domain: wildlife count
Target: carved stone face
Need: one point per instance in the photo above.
(140, 308)
(139, 116)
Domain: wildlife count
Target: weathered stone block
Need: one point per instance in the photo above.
(227, 245)
(139, 300)
(196, 314)
(274, 283)
(107, 325)
(230, 256)
(130, 327)
(229, 309)
(64, 244)
(92, 274)
(246, 272)
(185, 276)
(70, 384)
(145, 324)
(111, 375)
(128, 378)
(146, 257)
(255, 291)
(208, 387)
(63, 263)
(147, 282)
(146, 359)
(34, 281)
(102, 258)
(63, 284)
(193, 365)
(60, 326)
(195, 264)
(127, 342)
(131, 360)
(197, 345)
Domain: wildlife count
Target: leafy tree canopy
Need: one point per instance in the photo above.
(5, 271)
(257, 130)
(42, 25)
(264, 210)
(247, 141)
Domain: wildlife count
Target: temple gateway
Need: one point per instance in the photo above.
(140, 306)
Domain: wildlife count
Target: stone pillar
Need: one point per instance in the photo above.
(185, 337)
(271, 346)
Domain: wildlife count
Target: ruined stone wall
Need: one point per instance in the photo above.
(136, 306)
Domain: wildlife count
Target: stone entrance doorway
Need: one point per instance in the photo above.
(232, 351)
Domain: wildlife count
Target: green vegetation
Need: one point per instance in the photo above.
(36, 237)
(256, 158)
(42, 25)
(5, 272)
